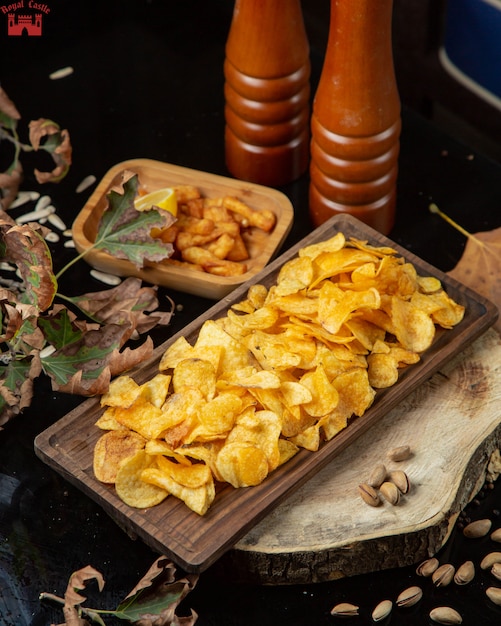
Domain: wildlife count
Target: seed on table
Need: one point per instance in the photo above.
(465, 573)
(478, 528)
(43, 202)
(400, 453)
(69, 243)
(345, 609)
(494, 595)
(489, 559)
(409, 597)
(61, 73)
(56, 221)
(107, 279)
(377, 476)
(382, 610)
(426, 568)
(85, 183)
(401, 480)
(52, 237)
(443, 575)
(445, 615)
(390, 492)
(23, 197)
(496, 535)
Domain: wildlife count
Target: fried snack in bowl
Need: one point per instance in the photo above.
(286, 368)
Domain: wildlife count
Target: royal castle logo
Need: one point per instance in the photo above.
(24, 18)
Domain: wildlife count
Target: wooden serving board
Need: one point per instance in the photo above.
(196, 542)
(324, 531)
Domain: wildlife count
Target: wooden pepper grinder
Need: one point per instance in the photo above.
(356, 121)
(267, 90)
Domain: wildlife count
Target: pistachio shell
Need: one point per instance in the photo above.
(496, 570)
(478, 528)
(390, 492)
(382, 610)
(409, 596)
(401, 480)
(369, 494)
(445, 615)
(443, 575)
(465, 573)
(494, 594)
(377, 476)
(426, 568)
(345, 609)
(401, 453)
(489, 559)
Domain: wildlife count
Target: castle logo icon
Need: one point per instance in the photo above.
(18, 25)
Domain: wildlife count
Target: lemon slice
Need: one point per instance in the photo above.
(162, 198)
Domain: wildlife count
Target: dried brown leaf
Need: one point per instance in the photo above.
(7, 106)
(127, 303)
(480, 266)
(61, 150)
(9, 185)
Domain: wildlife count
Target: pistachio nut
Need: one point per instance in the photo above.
(345, 609)
(409, 597)
(426, 568)
(369, 494)
(490, 559)
(390, 492)
(445, 615)
(478, 528)
(377, 476)
(496, 570)
(401, 453)
(465, 573)
(443, 575)
(382, 610)
(401, 480)
(494, 595)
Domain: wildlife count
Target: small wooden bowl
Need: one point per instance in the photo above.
(155, 175)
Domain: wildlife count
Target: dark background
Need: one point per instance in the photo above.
(148, 82)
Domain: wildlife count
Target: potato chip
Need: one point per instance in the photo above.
(156, 389)
(198, 499)
(122, 392)
(132, 489)
(242, 464)
(195, 373)
(262, 429)
(324, 396)
(413, 328)
(111, 450)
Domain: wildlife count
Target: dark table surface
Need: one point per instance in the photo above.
(148, 82)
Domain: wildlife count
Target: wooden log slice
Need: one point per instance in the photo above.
(325, 531)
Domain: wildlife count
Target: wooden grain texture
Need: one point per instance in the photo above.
(156, 175)
(325, 531)
(196, 542)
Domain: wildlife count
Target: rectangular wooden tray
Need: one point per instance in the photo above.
(195, 542)
(157, 175)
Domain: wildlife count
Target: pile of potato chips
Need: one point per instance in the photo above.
(285, 369)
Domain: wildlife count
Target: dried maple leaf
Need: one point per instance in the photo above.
(57, 143)
(154, 600)
(127, 303)
(87, 356)
(480, 264)
(125, 233)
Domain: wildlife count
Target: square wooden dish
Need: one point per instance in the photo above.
(156, 175)
(195, 542)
